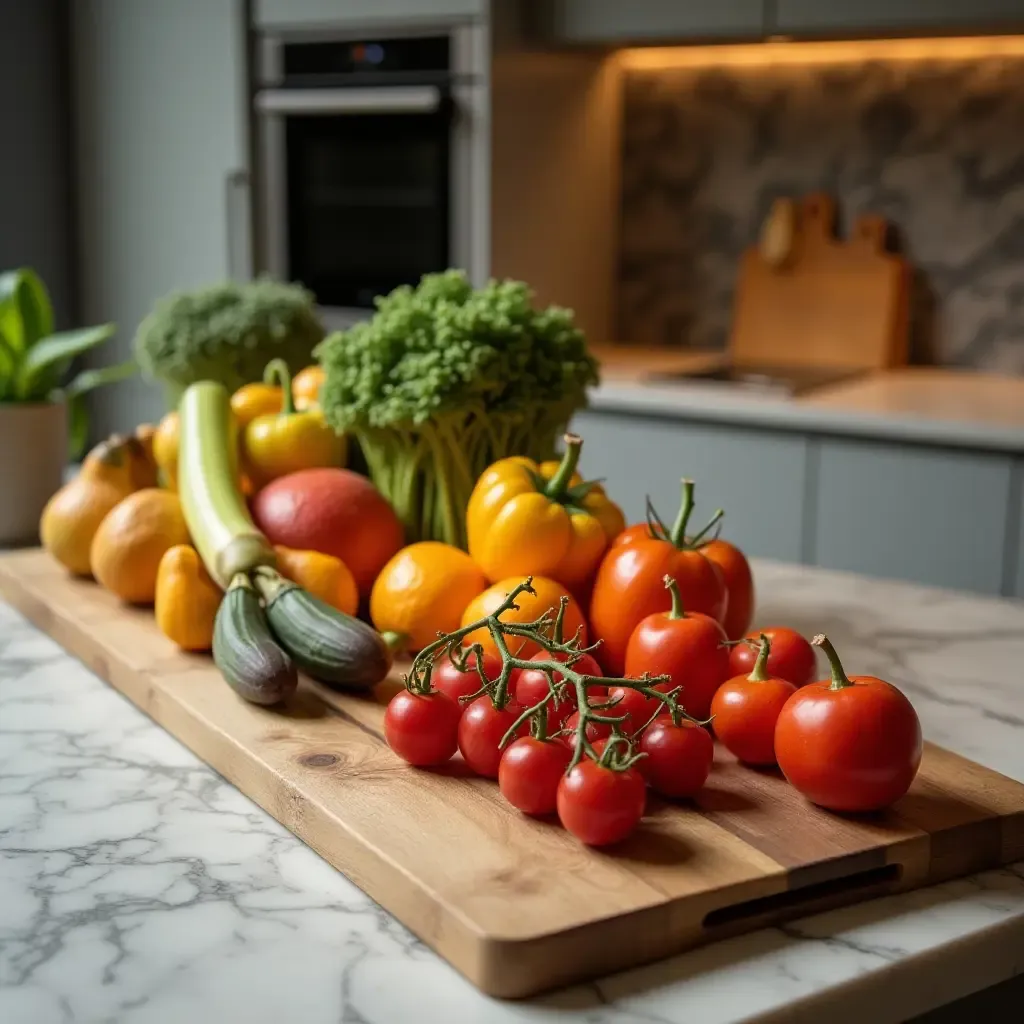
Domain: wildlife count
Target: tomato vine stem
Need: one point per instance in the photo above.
(840, 680)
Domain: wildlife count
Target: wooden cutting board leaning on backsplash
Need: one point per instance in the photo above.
(805, 298)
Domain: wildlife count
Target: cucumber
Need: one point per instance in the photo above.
(245, 651)
(328, 645)
(215, 511)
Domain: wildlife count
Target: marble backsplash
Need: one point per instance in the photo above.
(936, 146)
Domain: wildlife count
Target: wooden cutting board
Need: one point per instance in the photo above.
(515, 904)
(830, 303)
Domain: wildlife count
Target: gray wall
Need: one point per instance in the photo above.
(35, 179)
(935, 145)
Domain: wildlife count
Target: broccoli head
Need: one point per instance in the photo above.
(228, 333)
(445, 379)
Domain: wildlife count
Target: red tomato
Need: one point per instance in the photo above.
(746, 711)
(530, 771)
(598, 805)
(629, 585)
(532, 687)
(633, 703)
(595, 730)
(791, 657)
(444, 676)
(480, 731)
(422, 728)
(739, 582)
(852, 744)
(678, 759)
(686, 646)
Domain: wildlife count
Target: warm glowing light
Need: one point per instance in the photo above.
(831, 52)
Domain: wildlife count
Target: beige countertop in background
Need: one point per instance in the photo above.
(925, 404)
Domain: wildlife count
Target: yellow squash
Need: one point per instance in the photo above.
(187, 599)
(276, 444)
(544, 520)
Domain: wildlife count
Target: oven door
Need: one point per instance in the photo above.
(357, 190)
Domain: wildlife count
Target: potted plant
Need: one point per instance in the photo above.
(43, 420)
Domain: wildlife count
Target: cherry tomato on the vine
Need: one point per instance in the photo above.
(633, 703)
(444, 676)
(746, 708)
(792, 657)
(532, 687)
(422, 728)
(678, 759)
(481, 729)
(530, 771)
(595, 730)
(600, 805)
(849, 744)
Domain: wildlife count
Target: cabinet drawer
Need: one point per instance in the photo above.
(612, 21)
(899, 16)
(931, 516)
(339, 13)
(757, 477)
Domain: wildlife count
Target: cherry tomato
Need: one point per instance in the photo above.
(422, 728)
(530, 771)
(481, 728)
(739, 582)
(629, 584)
(852, 744)
(633, 703)
(791, 658)
(595, 730)
(444, 676)
(746, 709)
(686, 646)
(532, 687)
(678, 759)
(599, 805)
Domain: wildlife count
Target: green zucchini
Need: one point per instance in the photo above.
(245, 651)
(328, 645)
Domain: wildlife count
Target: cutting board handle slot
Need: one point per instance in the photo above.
(793, 901)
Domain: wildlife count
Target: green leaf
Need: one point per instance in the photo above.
(8, 362)
(26, 314)
(74, 395)
(45, 363)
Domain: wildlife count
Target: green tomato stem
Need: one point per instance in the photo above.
(840, 680)
(677, 535)
(677, 611)
(759, 673)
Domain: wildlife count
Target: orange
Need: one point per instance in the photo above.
(306, 386)
(423, 590)
(530, 607)
(323, 576)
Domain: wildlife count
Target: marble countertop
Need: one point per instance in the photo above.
(922, 404)
(138, 887)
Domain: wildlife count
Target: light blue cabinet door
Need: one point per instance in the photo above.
(160, 101)
(328, 13)
(757, 477)
(612, 21)
(843, 16)
(1016, 572)
(928, 515)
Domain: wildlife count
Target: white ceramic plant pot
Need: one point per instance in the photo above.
(33, 455)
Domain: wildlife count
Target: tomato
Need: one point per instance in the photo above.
(480, 731)
(792, 657)
(595, 730)
(446, 678)
(532, 687)
(852, 744)
(746, 709)
(600, 805)
(678, 759)
(530, 771)
(633, 703)
(629, 584)
(686, 646)
(739, 583)
(422, 728)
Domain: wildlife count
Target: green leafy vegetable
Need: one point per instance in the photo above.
(227, 333)
(445, 379)
(34, 360)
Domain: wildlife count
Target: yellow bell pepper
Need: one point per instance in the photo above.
(276, 444)
(543, 520)
(252, 400)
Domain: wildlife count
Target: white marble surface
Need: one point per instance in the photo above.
(138, 886)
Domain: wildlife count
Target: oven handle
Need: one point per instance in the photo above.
(405, 99)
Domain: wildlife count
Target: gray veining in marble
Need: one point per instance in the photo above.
(138, 887)
(934, 145)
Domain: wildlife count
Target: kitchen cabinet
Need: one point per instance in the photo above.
(1016, 570)
(757, 477)
(611, 21)
(931, 515)
(160, 110)
(852, 17)
(277, 14)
